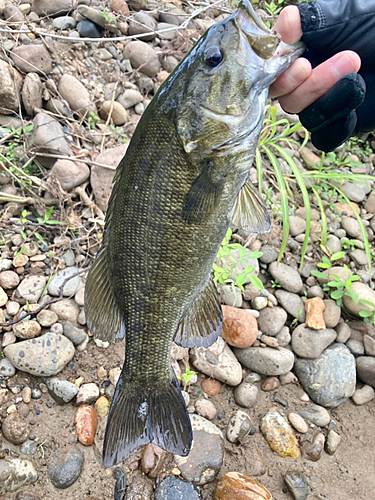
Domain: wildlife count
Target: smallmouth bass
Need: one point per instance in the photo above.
(183, 180)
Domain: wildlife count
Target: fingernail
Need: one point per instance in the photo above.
(342, 65)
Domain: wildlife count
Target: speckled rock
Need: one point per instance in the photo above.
(44, 356)
(62, 391)
(64, 474)
(70, 287)
(309, 343)
(27, 329)
(239, 426)
(279, 434)
(66, 310)
(271, 320)
(173, 488)
(7, 370)
(287, 277)
(47, 318)
(207, 453)
(266, 361)
(246, 394)
(31, 288)
(15, 429)
(236, 486)
(15, 473)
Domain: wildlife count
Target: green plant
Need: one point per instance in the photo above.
(350, 244)
(43, 443)
(186, 377)
(273, 8)
(110, 19)
(222, 275)
(119, 133)
(92, 119)
(368, 316)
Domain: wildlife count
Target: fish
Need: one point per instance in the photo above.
(182, 182)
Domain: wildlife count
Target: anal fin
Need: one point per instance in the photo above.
(202, 324)
(250, 212)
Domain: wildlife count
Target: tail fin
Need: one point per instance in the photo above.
(141, 415)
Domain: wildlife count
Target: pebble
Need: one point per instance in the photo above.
(12, 307)
(32, 59)
(86, 424)
(28, 447)
(287, 277)
(239, 327)
(5, 265)
(297, 485)
(142, 56)
(332, 313)
(206, 456)
(316, 414)
(246, 394)
(46, 318)
(330, 379)
(205, 408)
(74, 334)
(356, 347)
(130, 98)
(313, 451)
(279, 434)
(363, 395)
(7, 370)
(259, 303)
(64, 474)
(26, 394)
(44, 356)
(270, 384)
(88, 29)
(364, 292)
(270, 254)
(62, 391)
(359, 257)
(236, 486)
(309, 343)
(119, 114)
(343, 333)
(57, 328)
(366, 369)
(70, 174)
(78, 98)
(218, 361)
(239, 426)
(16, 472)
(172, 488)
(231, 296)
(4, 300)
(87, 393)
(27, 329)
(352, 228)
(314, 313)
(271, 320)
(354, 191)
(296, 225)
(121, 483)
(8, 337)
(102, 406)
(288, 378)
(80, 296)
(15, 429)
(66, 310)
(152, 460)
(9, 280)
(332, 442)
(64, 23)
(292, 303)
(283, 337)
(211, 386)
(70, 287)
(298, 422)
(266, 361)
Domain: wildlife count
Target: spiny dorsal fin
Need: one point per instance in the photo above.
(202, 324)
(250, 212)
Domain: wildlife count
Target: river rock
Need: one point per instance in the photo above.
(32, 93)
(363, 395)
(352, 227)
(330, 379)
(309, 343)
(266, 360)
(27, 329)
(15, 429)
(239, 426)
(87, 394)
(64, 23)
(10, 88)
(287, 277)
(32, 59)
(313, 451)
(86, 423)
(236, 486)
(211, 386)
(205, 408)
(88, 29)
(69, 287)
(364, 292)
(316, 414)
(44, 356)
(31, 288)
(130, 98)
(332, 313)
(29, 447)
(206, 455)
(52, 7)
(296, 225)
(152, 460)
(314, 313)
(218, 361)
(74, 334)
(343, 332)
(70, 174)
(7, 370)
(15, 473)
(143, 23)
(62, 391)
(279, 434)
(297, 485)
(9, 280)
(4, 300)
(76, 94)
(142, 56)
(292, 303)
(46, 318)
(332, 442)
(173, 488)
(66, 310)
(298, 422)
(366, 369)
(239, 327)
(246, 394)
(119, 6)
(271, 320)
(64, 474)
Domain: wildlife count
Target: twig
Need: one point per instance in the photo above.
(75, 158)
(108, 117)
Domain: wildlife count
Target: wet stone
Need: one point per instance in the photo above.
(173, 488)
(207, 453)
(316, 414)
(153, 459)
(297, 485)
(239, 426)
(279, 434)
(16, 472)
(236, 486)
(64, 474)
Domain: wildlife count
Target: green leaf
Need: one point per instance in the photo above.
(352, 295)
(338, 256)
(336, 284)
(367, 302)
(318, 274)
(256, 282)
(337, 294)
(365, 314)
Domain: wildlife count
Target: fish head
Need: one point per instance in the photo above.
(226, 79)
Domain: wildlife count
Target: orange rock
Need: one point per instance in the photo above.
(310, 157)
(86, 422)
(211, 386)
(236, 486)
(344, 207)
(314, 313)
(119, 6)
(240, 328)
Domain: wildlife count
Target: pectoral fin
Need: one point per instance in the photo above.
(202, 324)
(250, 212)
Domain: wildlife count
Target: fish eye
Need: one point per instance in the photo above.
(214, 56)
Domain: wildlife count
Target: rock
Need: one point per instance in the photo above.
(316, 414)
(270, 384)
(266, 361)
(314, 313)
(364, 292)
(296, 225)
(298, 422)
(297, 485)
(246, 394)
(143, 23)
(119, 6)
(52, 7)
(87, 393)
(27, 329)
(32, 93)
(270, 254)
(31, 288)
(205, 408)
(9, 280)
(354, 191)
(308, 343)
(211, 386)
(279, 434)
(130, 98)
(44, 356)
(66, 310)
(74, 334)
(119, 114)
(102, 406)
(332, 313)
(8, 337)
(153, 459)
(64, 474)
(13, 14)
(15, 473)
(363, 395)
(206, 455)
(96, 16)
(172, 488)
(359, 257)
(239, 426)
(231, 296)
(352, 227)
(218, 361)
(28, 448)
(142, 56)
(170, 31)
(366, 369)
(239, 327)
(75, 93)
(343, 333)
(172, 14)
(101, 178)
(10, 88)
(48, 136)
(271, 320)
(292, 303)
(86, 423)
(330, 379)
(7, 370)
(356, 347)
(15, 429)
(64, 23)
(313, 451)
(32, 59)
(236, 486)
(283, 337)
(62, 391)
(370, 203)
(46, 318)
(259, 303)
(332, 442)
(4, 300)
(89, 29)
(287, 277)
(70, 174)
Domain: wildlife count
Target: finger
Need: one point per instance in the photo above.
(292, 78)
(288, 24)
(322, 79)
